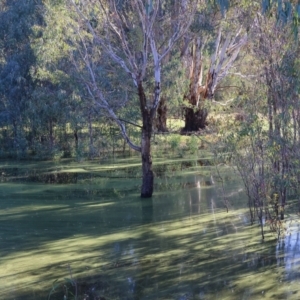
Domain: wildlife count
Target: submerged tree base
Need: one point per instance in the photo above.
(147, 187)
(146, 195)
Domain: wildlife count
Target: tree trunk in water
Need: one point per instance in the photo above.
(161, 116)
(148, 176)
(76, 138)
(147, 116)
(194, 119)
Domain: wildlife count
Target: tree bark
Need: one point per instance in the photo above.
(161, 116)
(147, 173)
(148, 176)
(195, 116)
(76, 138)
(194, 119)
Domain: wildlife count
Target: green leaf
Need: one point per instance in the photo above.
(70, 281)
(54, 287)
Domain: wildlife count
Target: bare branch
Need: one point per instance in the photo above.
(222, 60)
(107, 46)
(215, 55)
(241, 75)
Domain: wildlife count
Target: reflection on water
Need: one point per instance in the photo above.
(181, 244)
(288, 254)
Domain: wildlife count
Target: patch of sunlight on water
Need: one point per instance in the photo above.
(73, 170)
(22, 211)
(182, 244)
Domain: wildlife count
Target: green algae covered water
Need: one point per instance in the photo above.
(72, 230)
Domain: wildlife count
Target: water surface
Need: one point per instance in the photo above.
(85, 222)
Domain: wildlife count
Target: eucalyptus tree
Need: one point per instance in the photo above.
(201, 64)
(16, 62)
(215, 41)
(56, 105)
(230, 20)
(136, 36)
